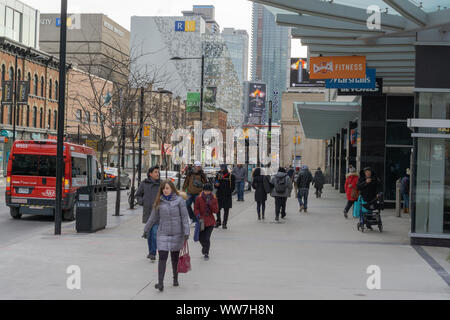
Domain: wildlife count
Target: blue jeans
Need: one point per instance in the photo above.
(152, 240)
(303, 198)
(240, 189)
(406, 199)
(189, 202)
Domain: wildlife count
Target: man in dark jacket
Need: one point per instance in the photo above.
(225, 184)
(404, 190)
(318, 182)
(195, 180)
(303, 183)
(146, 196)
(282, 188)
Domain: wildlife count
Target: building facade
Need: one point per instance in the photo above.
(270, 55)
(158, 39)
(95, 43)
(237, 43)
(38, 118)
(301, 151)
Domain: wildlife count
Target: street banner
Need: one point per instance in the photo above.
(7, 92)
(300, 76)
(193, 102)
(369, 82)
(347, 67)
(24, 91)
(209, 100)
(256, 101)
(378, 91)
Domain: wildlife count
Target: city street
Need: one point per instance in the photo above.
(316, 256)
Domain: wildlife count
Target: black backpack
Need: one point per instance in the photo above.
(281, 185)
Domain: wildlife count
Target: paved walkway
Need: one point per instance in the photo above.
(316, 256)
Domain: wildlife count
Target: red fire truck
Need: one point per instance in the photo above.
(31, 177)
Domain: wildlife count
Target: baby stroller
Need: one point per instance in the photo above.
(370, 213)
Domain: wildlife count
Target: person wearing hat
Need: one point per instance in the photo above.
(225, 184)
(206, 205)
(303, 183)
(193, 185)
(351, 190)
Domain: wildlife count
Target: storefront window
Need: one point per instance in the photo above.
(432, 194)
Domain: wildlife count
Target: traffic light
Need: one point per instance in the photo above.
(297, 140)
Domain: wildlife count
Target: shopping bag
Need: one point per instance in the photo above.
(184, 262)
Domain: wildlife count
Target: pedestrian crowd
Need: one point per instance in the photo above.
(169, 214)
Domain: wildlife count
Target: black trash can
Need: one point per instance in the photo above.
(91, 209)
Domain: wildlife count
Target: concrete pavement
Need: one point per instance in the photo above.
(316, 256)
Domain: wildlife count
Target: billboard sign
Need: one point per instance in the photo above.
(369, 82)
(193, 102)
(300, 76)
(377, 91)
(346, 67)
(256, 101)
(209, 100)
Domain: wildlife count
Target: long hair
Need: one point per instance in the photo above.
(257, 172)
(160, 192)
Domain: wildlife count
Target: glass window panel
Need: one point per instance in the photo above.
(9, 20)
(400, 107)
(397, 161)
(398, 133)
(17, 26)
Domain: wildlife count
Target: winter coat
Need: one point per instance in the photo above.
(260, 190)
(146, 196)
(304, 179)
(278, 177)
(405, 184)
(200, 209)
(173, 219)
(240, 174)
(200, 177)
(319, 180)
(368, 191)
(291, 173)
(351, 186)
(225, 189)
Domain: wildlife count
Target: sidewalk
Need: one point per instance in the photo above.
(316, 256)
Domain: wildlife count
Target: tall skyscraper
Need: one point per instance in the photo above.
(270, 55)
(237, 43)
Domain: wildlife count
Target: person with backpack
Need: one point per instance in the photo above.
(170, 213)
(303, 183)
(193, 185)
(318, 182)
(225, 184)
(261, 184)
(282, 188)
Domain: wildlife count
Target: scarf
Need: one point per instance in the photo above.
(208, 199)
(167, 198)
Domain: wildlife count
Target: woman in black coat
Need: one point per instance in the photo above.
(262, 188)
(225, 184)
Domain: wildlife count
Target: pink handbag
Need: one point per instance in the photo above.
(184, 262)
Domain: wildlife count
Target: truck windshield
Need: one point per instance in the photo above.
(34, 165)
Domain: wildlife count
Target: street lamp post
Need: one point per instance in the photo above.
(202, 79)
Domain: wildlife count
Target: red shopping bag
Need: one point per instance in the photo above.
(184, 262)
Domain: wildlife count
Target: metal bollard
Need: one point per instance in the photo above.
(398, 199)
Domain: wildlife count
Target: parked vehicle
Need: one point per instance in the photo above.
(112, 181)
(31, 177)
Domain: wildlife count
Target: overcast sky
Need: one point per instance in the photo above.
(229, 13)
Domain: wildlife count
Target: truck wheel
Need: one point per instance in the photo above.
(15, 213)
(69, 215)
